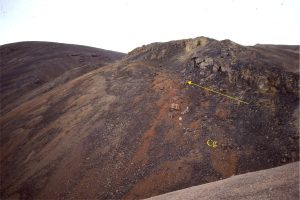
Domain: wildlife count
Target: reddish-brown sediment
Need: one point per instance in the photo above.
(134, 129)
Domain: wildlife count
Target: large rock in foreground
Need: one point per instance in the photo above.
(276, 184)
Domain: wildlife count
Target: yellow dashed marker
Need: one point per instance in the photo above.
(225, 95)
(212, 143)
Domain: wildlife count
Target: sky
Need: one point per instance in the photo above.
(122, 25)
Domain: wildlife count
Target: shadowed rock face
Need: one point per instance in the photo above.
(134, 128)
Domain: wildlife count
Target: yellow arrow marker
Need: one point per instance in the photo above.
(225, 95)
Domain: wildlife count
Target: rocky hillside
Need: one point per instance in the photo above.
(26, 66)
(135, 129)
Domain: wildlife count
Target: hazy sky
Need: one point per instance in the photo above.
(122, 25)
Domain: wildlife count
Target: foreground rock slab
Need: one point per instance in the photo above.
(276, 183)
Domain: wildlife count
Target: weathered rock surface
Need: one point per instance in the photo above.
(111, 133)
(276, 183)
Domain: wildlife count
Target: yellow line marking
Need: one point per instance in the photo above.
(225, 95)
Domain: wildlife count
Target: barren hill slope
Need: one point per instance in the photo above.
(286, 56)
(135, 128)
(26, 66)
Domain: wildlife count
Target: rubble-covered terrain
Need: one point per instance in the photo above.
(134, 128)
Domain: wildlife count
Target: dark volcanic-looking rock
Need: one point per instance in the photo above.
(134, 129)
